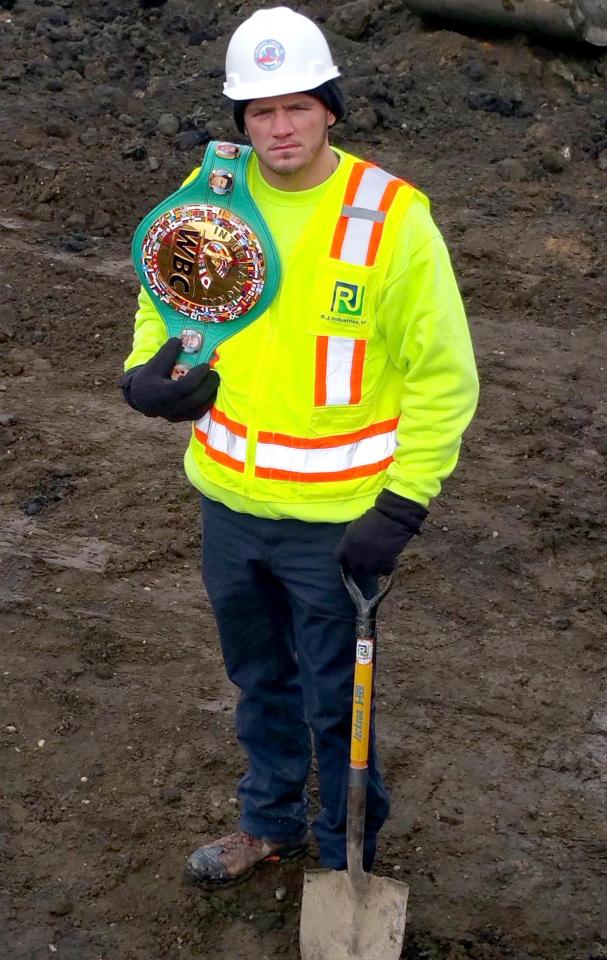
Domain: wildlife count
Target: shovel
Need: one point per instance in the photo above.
(352, 915)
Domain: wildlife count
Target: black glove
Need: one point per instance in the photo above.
(372, 543)
(150, 389)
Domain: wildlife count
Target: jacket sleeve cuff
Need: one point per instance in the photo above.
(407, 512)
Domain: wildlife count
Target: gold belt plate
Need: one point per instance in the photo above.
(205, 262)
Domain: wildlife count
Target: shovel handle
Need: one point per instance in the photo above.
(361, 703)
(366, 609)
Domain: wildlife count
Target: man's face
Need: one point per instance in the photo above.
(287, 132)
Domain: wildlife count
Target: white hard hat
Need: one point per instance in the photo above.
(276, 51)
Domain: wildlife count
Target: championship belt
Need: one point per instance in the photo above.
(206, 256)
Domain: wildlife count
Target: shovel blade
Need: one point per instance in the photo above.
(339, 922)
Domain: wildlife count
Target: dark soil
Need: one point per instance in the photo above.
(115, 715)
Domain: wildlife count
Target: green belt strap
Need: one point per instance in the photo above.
(206, 256)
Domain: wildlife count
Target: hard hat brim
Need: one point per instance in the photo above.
(267, 87)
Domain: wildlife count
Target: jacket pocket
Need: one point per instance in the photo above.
(343, 301)
(338, 420)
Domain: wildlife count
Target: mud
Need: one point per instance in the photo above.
(118, 754)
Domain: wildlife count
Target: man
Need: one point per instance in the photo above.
(338, 412)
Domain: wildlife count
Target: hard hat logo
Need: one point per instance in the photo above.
(269, 55)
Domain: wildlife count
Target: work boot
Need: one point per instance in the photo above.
(235, 857)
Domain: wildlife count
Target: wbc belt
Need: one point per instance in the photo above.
(206, 256)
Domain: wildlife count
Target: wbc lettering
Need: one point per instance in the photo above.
(186, 242)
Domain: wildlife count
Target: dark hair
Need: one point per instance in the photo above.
(328, 93)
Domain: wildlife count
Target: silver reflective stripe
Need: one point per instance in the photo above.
(362, 213)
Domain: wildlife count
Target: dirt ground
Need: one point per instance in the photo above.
(118, 754)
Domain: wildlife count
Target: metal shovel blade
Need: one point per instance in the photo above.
(341, 922)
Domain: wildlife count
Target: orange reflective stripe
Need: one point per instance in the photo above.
(337, 440)
(224, 458)
(222, 437)
(354, 181)
(320, 379)
(356, 375)
(219, 417)
(376, 232)
(353, 184)
(338, 238)
(218, 455)
(352, 473)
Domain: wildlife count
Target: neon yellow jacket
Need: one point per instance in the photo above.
(359, 376)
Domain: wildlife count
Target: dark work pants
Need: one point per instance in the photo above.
(287, 630)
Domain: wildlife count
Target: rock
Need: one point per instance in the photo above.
(57, 130)
(177, 24)
(153, 163)
(13, 71)
(54, 86)
(561, 70)
(580, 71)
(555, 161)
(76, 221)
(204, 909)
(139, 829)
(189, 139)
(201, 33)
(105, 95)
(280, 893)
(216, 816)
(170, 794)
(492, 103)
(134, 150)
(475, 70)
(511, 169)
(351, 20)
(168, 124)
(89, 137)
(94, 70)
(43, 212)
(127, 120)
(7, 327)
(101, 219)
(560, 622)
(74, 244)
(138, 40)
(17, 813)
(602, 160)
(364, 119)
(60, 906)
(269, 920)
(475, 245)
(216, 130)
(585, 573)
(538, 132)
(103, 671)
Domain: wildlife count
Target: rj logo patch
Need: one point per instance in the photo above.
(348, 299)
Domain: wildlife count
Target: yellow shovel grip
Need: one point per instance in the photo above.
(361, 704)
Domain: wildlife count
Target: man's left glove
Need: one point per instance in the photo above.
(372, 543)
(150, 390)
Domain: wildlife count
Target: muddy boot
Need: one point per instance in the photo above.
(235, 857)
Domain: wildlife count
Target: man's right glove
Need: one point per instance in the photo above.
(371, 544)
(150, 389)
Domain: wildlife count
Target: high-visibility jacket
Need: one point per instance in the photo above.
(359, 376)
